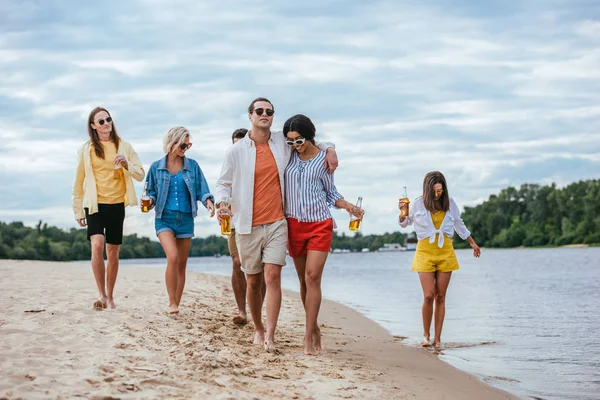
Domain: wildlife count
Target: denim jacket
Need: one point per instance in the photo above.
(158, 179)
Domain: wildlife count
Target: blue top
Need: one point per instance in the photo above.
(309, 189)
(178, 198)
(159, 182)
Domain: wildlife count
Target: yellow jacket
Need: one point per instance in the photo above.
(84, 188)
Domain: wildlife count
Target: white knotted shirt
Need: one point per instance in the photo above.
(420, 217)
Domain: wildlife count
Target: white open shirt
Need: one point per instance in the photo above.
(421, 218)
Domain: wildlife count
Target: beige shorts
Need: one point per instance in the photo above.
(231, 243)
(265, 244)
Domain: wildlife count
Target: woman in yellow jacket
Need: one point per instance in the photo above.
(103, 188)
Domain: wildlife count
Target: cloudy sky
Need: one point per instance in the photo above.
(492, 93)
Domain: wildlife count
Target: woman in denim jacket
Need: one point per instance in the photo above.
(175, 185)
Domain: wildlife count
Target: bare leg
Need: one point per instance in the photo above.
(273, 281)
(442, 281)
(183, 252)
(238, 283)
(428, 285)
(300, 264)
(254, 283)
(315, 263)
(97, 243)
(263, 289)
(167, 240)
(112, 253)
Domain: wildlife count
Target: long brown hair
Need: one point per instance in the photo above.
(429, 201)
(114, 136)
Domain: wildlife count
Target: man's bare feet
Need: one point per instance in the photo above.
(173, 309)
(99, 304)
(259, 337)
(309, 346)
(316, 339)
(240, 319)
(110, 303)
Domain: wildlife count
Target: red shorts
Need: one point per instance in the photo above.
(304, 236)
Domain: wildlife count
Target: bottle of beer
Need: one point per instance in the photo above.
(145, 202)
(225, 217)
(118, 173)
(354, 220)
(404, 199)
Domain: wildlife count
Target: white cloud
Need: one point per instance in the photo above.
(589, 28)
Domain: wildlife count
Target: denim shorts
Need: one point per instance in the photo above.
(181, 224)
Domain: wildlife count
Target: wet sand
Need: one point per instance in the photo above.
(54, 345)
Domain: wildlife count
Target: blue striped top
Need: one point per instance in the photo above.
(309, 189)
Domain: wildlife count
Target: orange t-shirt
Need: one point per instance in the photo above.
(267, 206)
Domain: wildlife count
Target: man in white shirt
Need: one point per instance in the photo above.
(252, 178)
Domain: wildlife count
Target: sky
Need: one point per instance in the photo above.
(492, 93)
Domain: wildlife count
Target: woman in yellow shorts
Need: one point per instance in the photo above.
(435, 216)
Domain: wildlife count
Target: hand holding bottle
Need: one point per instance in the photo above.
(224, 215)
(356, 214)
(146, 201)
(403, 204)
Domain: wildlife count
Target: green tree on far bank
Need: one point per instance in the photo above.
(535, 215)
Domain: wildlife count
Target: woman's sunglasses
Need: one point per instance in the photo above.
(297, 142)
(185, 146)
(268, 111)
(441, 191)
(107, 120)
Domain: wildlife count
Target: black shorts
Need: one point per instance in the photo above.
(108, 221)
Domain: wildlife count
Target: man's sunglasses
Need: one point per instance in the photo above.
(108, 120)
(297, 142)
(185, 146)
(268, 111)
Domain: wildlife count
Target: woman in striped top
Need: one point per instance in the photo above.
(309, 193)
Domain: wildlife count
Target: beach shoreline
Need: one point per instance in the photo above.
(54, 345)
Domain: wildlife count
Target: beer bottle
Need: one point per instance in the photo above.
(225, 217)
(145, 203)
(118, 173)
(354, 220)
(404, 199)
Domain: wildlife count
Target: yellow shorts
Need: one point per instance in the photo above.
(430, 258)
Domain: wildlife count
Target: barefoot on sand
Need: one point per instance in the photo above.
(99, 305)
(309, 346)
(173, 309)
(269, 345)
(259, 337)
(110, 303)
(316, 339)
(240, 320)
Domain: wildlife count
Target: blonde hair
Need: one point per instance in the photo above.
(174, 138)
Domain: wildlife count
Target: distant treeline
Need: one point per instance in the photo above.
(50, 243)
(535, 215)
(532, 215)
(53, 244)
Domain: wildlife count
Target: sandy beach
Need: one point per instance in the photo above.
(54, 345)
